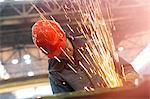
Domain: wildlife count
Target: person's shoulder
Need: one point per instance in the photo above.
(79, 41)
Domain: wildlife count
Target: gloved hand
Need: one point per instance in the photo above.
(130, 78)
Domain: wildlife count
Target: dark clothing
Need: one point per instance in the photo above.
(64, 79)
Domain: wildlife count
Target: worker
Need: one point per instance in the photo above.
(65, 72)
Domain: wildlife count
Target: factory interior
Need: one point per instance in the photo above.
(24, 68)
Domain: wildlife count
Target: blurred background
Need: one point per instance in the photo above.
(23, 68)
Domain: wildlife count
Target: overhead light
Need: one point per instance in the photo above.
(28, 61)
(120, 49)
(38, 97)
(27, 56)
(3, 73)
(15, 61)
(31, 73)
(2, 70)
(6, 76)
(2, 0)
(0, 63)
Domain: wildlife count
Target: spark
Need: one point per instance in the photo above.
(67, 55)
(70, 28)
(53, 18)
(92, 71)
(83, 56)
(57, 59)
(41, 15)
(92, 89)
(123, 72)
(86, 88)
(100, 45)
(72, 68)
(43, 50)
(85, 69)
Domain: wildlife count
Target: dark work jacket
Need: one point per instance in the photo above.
(64, 79)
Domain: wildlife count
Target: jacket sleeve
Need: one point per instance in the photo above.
(130, 74)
